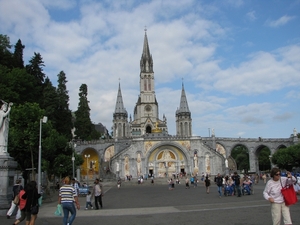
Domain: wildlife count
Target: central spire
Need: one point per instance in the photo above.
(146, 62)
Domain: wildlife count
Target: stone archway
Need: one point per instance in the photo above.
(166, 159)
(89, 170)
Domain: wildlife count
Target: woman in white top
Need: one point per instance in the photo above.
(272, 193)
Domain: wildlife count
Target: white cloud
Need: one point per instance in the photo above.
(251, 16)
(104, 43)
(279, 22)
(263, 72)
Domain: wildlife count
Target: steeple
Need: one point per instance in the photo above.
(120, 118)
(146, 62)
(183, 117)
(119, 104)
(183, 108)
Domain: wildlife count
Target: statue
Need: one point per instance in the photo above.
(195, 161)
(4, 125)
(213, 131)
(138, 162)
(226, 163)
(295, 132)
(156, 129)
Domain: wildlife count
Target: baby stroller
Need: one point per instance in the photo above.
(247, 189)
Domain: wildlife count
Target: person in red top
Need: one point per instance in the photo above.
(22, 204)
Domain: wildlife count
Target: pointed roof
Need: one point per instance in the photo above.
(119, 104)
(184, 107)
(146, 59)
(146, 50)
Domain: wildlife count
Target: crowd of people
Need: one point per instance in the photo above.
(227, 185)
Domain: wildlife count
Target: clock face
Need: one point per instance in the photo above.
(148, 108)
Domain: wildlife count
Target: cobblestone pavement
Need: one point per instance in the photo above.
(147, 204)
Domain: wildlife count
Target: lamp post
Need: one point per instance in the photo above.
(44, 120)
(87, 168)
(73, 158)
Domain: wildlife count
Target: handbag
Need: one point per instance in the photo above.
(17, 199)
(289, 194)
(35, 209)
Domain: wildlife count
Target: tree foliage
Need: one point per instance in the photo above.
(85, 130)
(34, 96)
(287, 158)
(264, 159)
(63, 115)
(241, 156)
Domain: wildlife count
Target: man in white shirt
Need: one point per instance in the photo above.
(98, 193)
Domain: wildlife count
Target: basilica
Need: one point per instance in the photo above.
(141, 145)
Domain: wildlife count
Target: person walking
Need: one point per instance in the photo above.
(98, 193)
(272, 193)
(219, 183)
(67, 198)
(187, 183)
(119, 183)
(75, 185)
(22, 204)
(264, 177)
(16, 189)
(237, 184)
(32, 196)
(88, 201)
(207, 184)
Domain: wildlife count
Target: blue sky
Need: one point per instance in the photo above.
(239, 60)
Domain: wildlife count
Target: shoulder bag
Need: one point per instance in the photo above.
(289, 193)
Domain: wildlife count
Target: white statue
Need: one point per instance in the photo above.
(117, 169)
(226, 163)
(295, 132)
(195, 161)
(138, 162)
(4, 125)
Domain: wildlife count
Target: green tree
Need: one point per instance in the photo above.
(50, 101)
(287, 158)
(24, 141)
(264, 160)
(5, 54)
(63, 115)
(18, 55)
(35, 68)
(84, 129)
(16, 85)
(241, 156)
(24, 135)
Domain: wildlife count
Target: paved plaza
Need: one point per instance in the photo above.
(155, 204)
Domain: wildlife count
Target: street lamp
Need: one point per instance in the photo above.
(44, 120)
(73, 158)
(87, 168)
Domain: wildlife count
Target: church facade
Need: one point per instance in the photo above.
(141, 145)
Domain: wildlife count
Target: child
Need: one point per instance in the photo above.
(88, 201)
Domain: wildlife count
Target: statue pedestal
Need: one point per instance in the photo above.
(7, 172)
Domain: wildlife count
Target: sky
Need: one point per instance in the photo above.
(239, 60)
